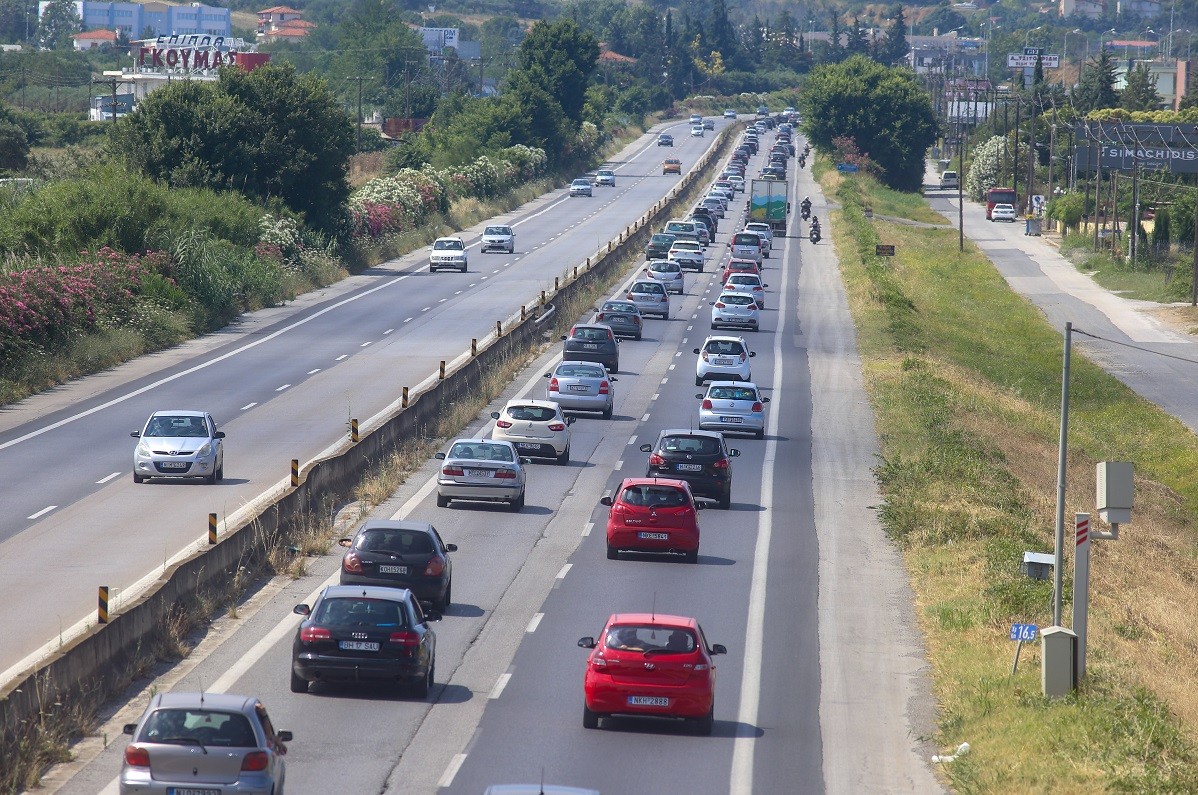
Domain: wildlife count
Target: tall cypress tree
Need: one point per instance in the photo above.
(1097, 89)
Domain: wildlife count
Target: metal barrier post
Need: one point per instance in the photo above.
(353, 430)
(405, 397)
(102, 606)
(294, 472)
(211, 528)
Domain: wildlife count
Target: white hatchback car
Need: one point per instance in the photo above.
(747, 283)
(536, 427)
(733, 406)
(766, 232)
(723, 358)
(735, 309)
(651, 297)
(688, 254)
(697, 131)
(666, 271)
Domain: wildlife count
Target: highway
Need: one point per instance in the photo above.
(824, 687)
(282, 384)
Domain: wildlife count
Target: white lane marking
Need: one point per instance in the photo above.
(249, 406)
(645, 418)
(632, 440)
(485, 278)
(688, 328)
(619, 465)
(49, 508)
(459, 292)
(534, 623)
(497, 691)
(364, 344)
(407, 320)
(672, 366)
(694, 316)
(388, 331)
(455, 765)
(107, 478)
(471, 285)
(443, 300)
(684, 339)
(314, 372)
(679, 353)
(741, 777)
(426, 309)
(664, 380)
(656, 395)
(495, 271)
(342, 356)
(284, 386)
(586, 530)
(560, 575)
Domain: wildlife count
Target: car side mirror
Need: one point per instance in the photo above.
(439, 456)
(129, 728)
(494, 415)
(302, 610)
(587, 642)
(570, 420)
(719, 649)
(733, 453)
(765, 400)
(284, 736)
(432, 615)
(696, 350)
(646, 448)
(700, 506)
(752, 354)
(564, 337)
(699, 396)
(549, 375)
(345, 542)
(136, 434)
(218, 435)
(605, 500)
(451, 547)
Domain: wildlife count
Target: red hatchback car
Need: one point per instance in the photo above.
(653, 515)
(739, 266)
(650, 664)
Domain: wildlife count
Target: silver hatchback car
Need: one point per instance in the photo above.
(179, 444)
(582, 386)
(204, 742)
(651, 296)
(733, 406)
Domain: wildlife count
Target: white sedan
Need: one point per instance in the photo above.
(1003, 212)
(735, 309)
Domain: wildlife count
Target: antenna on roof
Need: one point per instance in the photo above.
(201, 692)
(542, 792)
(653, 609)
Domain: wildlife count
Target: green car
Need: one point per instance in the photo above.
(658, 246)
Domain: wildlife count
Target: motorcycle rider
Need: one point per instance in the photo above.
(805, 207)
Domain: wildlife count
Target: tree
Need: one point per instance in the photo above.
(14, 145)
(559, 57)
(882, 108)
(721, 36)
(893, 48)
(1140, 92)
(1097, 88)
(59, 22)
(270, 134)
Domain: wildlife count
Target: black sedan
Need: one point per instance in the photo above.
(358, 633)
(400, 554)
(592, 342)
(701, 458)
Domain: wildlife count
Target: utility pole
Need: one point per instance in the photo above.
(1194, 280)
(1015, 158)
(1097, 150)
(358, 121)
(112, 83)
(1135, 207)
(1031, 157)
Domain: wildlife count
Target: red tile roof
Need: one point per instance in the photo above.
(95, 35)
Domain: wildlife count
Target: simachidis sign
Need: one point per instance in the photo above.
(1172, 148)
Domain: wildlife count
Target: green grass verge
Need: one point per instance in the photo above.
(964, 378)
(1156, 278)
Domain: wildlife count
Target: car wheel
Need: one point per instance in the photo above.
(725, 502)
(713, 328)
(517, 504)
(138, 478)
(446, 600)
(211, 479)
(220, 471)
(424, 685)
(612, 553)
(705, 724)
(691, 557)
(590, 720)
(564, 458)
(463, 269)
(442, 502)
(637, 338)
(698, 381)
(759, 434)
(298, 683)
(607, 412)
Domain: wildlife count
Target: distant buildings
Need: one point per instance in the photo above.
(91, 39)
(156, 19)
(282, 23)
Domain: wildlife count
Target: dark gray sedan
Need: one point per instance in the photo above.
(623, 317)
(592, 342)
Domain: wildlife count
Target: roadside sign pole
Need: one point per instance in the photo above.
(1081, 586)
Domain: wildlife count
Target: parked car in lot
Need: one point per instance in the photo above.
(581, 187)
(723, 358)
(688, 254)
(499, 238)
(735, 309)
(650, 664)
(701, 458)
(651, 297)
(1003, 212)
(665, 139)
(653, 515)
(658, 246)
(671, 165)
(622, 317)
(448, 252)
(592, 342)
(668, 272)
(582, 386)
(482, 469)
(203, 742)
(400, 554)
(605, 177)
(536, 427)
(363, 633)
(747, 283)
(179, 444)
(732, 406)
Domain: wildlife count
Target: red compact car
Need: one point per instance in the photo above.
(650, 664)
(739, 266)
(653, 515)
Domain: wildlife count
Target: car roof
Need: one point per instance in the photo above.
(603, 326)
(651, 481)
(449, 237)
(483, 441)
(385, 592)
(196, 700)
(725, 338)
(180, 413)
(544, 404)
(537, 789)
(750, 296)
(395, 524)
(748, 384)
(690, 432)
(664, 619)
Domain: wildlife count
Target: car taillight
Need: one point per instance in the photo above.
(706, 403)
(453, 472)
(656, 461)
(704, 355)
(636, 320)
(503, 423)
(604, 388)
(405, 638)
(598, 662)
(754, 306)
(721, 464)
(611, 337)
(557, 427)
(553, 387)
(352, 563)
(136, 756)
(664, 298)
(435, 567)
(757, 406)
(313, 634)
(719, 304)
(599, 316)
(255, 761)
(743, 356)
(505, 474)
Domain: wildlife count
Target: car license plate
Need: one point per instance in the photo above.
(358, 645)
(393, 569)
(579, 388)
(721, 362)
(174, 465)
(731, 419)
(191, 791)
(528, 446)
(648, 701)
(654, 536)
(689, 467)
(479, 473)
(591, 346)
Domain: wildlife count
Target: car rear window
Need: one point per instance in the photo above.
(590, 334)
(702, 445)
(745, 279)
(654, 495)
(481, 451)
(662, 266)
(659, 640)
(648, 287)
(737, 300)
(746, 239)
(395, 541)
(732, 393)
(204, 726)
(619, 306)
(661, 237)
(724, 347)
(580, 371)
(359, 611)
(532, 413)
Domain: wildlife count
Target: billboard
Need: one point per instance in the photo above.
(1019, 60)
(1172, 148)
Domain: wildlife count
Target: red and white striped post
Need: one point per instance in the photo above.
(1081, 586)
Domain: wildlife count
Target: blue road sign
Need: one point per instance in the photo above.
(1024, 632)
(849, 167)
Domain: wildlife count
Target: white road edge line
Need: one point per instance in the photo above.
(107, 478)
(455, 765)
(284, 386)
(535, 622)
(497, 691)
(248, 406)
(586, 531)
(42, 512)
(560, 575)
(314, 372)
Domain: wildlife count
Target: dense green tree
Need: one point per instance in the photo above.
(271, 134)
(59, 22)
(559, 58)
(14, 22)
(1140, 92)
(1097, 87)
(14, 145)
(721, 36)
(893, 47)
(882, 108)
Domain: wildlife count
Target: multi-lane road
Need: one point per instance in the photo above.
(824, 685)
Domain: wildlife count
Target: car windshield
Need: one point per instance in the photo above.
(580, 371)
(448, 245)
(724, 347)
(590, 334)
(655, 495)
(732, 393)
(737, 300)
(497, 230)
(481, 451)
(532, 413)
(704, 445)
(650, 638)
(397, 541)
(202, 727)
(359, 611)
(606, 172)
(174, 426)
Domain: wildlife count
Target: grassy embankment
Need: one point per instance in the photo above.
(964, 378)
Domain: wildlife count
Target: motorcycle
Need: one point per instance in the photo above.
(802, 161)
(814, 235)
(806, 213)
